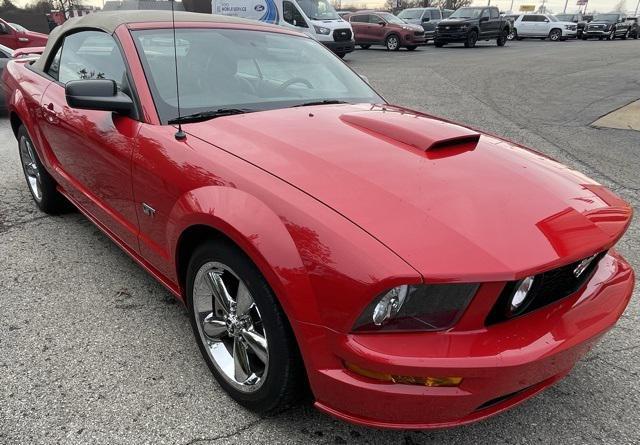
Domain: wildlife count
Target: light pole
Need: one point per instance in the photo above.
(565, 6)
(511, 8)
(637, 5)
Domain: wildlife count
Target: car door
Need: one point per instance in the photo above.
(621, 26)
(525, 26)
(543, 26)
(494, 21)
(485, 22)
(8, 36)
(91, 150)
(292, 16)
(360, 26)
(377, 28)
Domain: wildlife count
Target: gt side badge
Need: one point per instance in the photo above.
(148, 210)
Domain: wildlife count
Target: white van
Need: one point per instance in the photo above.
(317, 18)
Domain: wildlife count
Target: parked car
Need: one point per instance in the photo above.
(512, 18)
(317, 18)
(428, 18)
(576, 18)
(20, 38)
(469, 24)
(607, 26)
(284, 204)
(543, 26)
(383, 28)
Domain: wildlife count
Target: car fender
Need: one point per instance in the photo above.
(257, 230)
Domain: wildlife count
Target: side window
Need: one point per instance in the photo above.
(292, 16)
(435, 14)
(90, 55)
(485, 13)
(494, 13)
(54, 66)
(542, 18)
(375, 19)
(359, 19)
(528, 18)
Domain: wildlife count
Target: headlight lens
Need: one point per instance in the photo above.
(431, 307)
(322, 30)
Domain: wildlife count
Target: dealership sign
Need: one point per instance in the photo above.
(529, 8)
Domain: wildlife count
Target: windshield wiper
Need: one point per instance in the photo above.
(321, 102)
(206, 115)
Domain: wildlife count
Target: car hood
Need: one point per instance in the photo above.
(450, 22)
(453, 203)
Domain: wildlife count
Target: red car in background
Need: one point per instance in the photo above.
(383, 28)
(16, 36)
(414, 272)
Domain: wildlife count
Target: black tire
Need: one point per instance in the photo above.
(625, 35)
(502, 38)
(285, 381)
(555, 34)
(585, 37)
(600, 38)
(612, 35)
(392, 42)
(50, 200)
(341, 55)
(365, 46)
(513, 34)
(411, 47)
(438, 43)
(472, 38)
(635, 35)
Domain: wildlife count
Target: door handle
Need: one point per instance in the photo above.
(49, 113)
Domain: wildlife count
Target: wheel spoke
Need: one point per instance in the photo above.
(219, 290)
(241, 367)
(244, 302)
(257, 343)
(213, 327)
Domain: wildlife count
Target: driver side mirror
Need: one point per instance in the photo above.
(546, 20)
(97, 94)
(382, 23)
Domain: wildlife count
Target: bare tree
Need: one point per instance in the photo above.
(453, 4)
(64, 6)
(621, 6)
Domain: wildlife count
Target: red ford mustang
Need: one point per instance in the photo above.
(414, 272)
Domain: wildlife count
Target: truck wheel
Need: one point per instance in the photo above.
(365, 46)
(392, 43)
(635, 35)
(513, 34)
(502, 38)
(472, 38)
(555, 35)
(411, 47)
(438, 43)
(612, 35)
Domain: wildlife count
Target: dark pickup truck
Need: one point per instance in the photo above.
(469, 24)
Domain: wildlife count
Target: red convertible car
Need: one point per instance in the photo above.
(413, 272)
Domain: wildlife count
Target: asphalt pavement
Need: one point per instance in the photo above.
(93, 350)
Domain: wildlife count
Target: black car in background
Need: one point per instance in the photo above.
(469, 24)
(634, 27)
(6, 54)
(577, 18)
(607, 26)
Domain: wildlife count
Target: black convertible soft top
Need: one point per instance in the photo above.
(108, 22)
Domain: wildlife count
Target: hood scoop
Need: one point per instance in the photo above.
(424, 133)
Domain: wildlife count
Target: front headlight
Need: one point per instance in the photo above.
(322, 30)
(407, 28)
(567, 26)
(424, 307)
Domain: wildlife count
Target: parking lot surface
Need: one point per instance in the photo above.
(93, 350)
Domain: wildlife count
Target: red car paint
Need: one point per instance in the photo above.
(15, 39)
(336, 204)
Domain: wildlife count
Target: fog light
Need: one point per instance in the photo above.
(519, 300)
(407, 380)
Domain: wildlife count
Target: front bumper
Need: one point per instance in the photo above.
(501, 365)
(450, 36)
(596, 33)
(342, 47)
(570, 33)
(412, 39)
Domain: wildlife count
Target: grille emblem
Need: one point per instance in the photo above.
(580, 268)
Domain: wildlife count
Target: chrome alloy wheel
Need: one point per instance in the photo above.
(30, 166)
(392, 43)
(230, 326)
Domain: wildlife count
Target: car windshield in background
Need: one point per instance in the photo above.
(392, 18)
(243, 70)
(606, 18)
(411, 14)
(318, 9)
(466, 13)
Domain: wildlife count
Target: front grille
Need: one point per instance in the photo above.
(340, 35)
(418, 33)
(548, 287)
(449, 28)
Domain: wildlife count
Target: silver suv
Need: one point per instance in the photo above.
(428, 18)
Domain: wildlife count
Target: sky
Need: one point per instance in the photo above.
(555, 5)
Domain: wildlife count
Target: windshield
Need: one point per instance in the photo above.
(606, 18)
(18, 27)
(390, 18)
(241, 69)
(565, 17)
(552, 18)
(411, 14)
(318, 9)
(466, 13)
